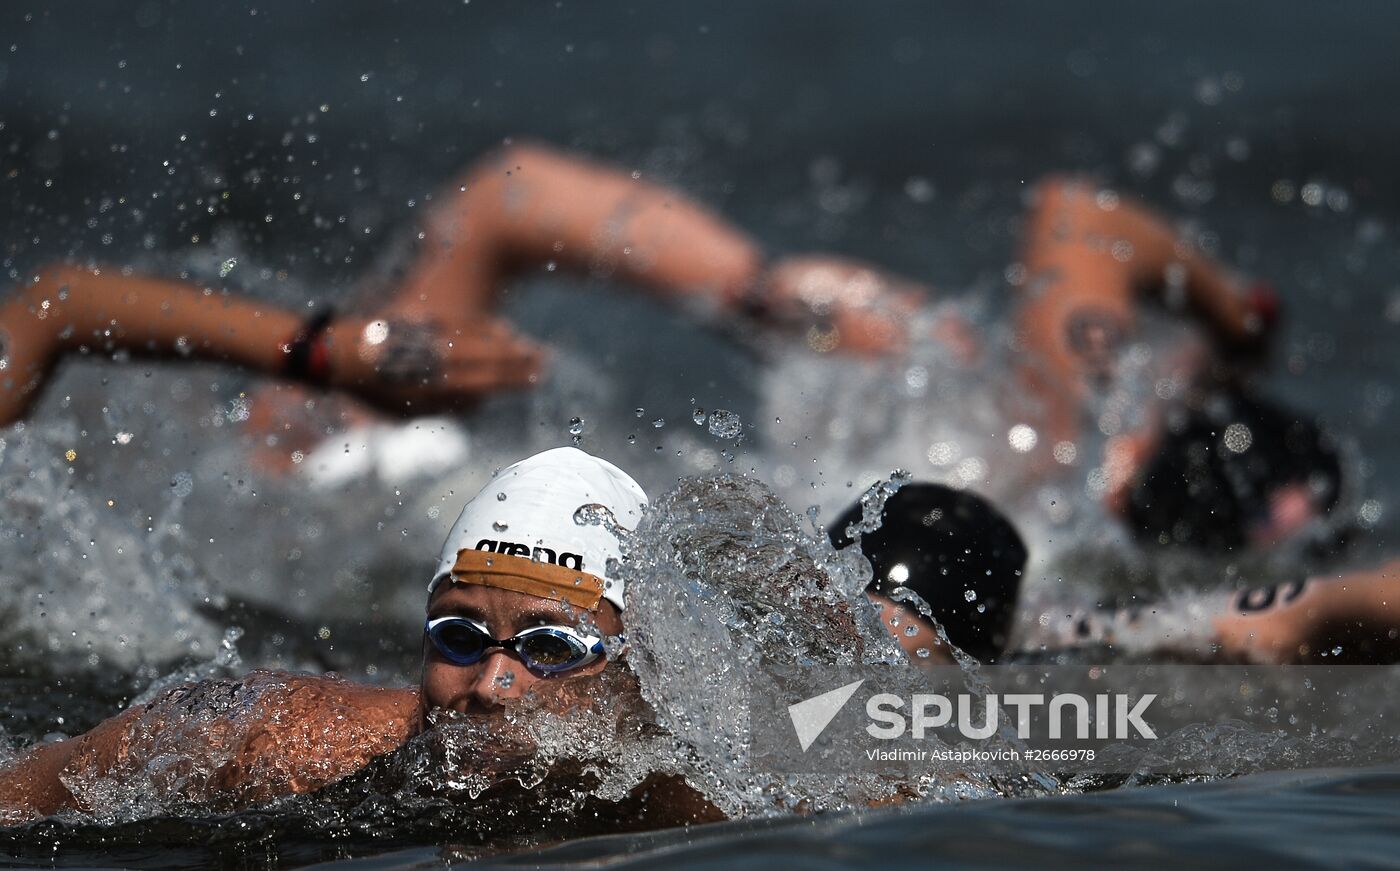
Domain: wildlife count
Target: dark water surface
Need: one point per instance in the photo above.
(1310, 819)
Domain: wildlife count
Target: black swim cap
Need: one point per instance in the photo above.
(944, 544)
(1218, 464)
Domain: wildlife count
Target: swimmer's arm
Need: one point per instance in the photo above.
(1086, 258)
(32, 786)
(527, 207)
(1296, 621)
(71, 310)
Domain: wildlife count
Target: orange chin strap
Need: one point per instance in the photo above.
(521, 575)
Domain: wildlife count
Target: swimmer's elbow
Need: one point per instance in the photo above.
(1058, 190)
(56, 277)
(495, 164)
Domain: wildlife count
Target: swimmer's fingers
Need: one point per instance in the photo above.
(1271, 637)
(499, 363)
(410, 366)
(875, 333)
(1243, 313)
(843, 304)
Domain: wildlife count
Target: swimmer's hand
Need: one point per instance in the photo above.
(839, 304)
(413, 366)
(1271, 637)
(1356, 614)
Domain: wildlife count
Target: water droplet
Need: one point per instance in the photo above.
(502, 527)
(182, 484)
(725, 424)
(659, 422)
(911, 630)
(1238, 438)
(500, 497)
(698, 415)
(970, 595)
(1022, 438)
(227, 266)
(575, 426)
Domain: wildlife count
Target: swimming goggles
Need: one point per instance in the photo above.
(546, 650)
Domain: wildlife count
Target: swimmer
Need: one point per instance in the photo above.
(521, 604)
(957, 553)
(1211, 465)
(965, 561)
(430, 340)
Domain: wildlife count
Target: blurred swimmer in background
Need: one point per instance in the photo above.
(432, 343)
(1207, 463)
(1204, 463)
(964, 560)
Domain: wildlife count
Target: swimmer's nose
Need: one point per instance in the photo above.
(501, 677)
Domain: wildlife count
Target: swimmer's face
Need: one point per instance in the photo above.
(915, 635)
(500, 675)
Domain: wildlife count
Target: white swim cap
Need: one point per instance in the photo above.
(519, 532)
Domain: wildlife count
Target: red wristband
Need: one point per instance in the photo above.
(1262, 301)
(307, 354)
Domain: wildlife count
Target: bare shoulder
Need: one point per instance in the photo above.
(310, 694)
(301, 732)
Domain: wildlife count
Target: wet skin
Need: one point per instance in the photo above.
(293, 739)
(898, 618)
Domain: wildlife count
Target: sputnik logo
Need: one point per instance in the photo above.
(811, 717)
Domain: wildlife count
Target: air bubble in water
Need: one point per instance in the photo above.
(499, 526)
(227, 266)
(970, 595)
(698, 415)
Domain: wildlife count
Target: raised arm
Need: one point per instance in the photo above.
(526, 206)
(1088, 255)
(73, 310)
